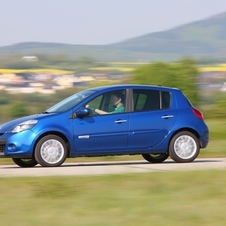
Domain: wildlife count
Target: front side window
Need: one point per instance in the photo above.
(149, 100)
(108, 103)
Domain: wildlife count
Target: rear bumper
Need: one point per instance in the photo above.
(204, 140)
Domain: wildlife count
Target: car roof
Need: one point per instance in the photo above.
(132, 86)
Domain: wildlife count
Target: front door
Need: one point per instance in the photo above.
(103, 132)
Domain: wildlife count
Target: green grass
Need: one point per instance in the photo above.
(217, 129)
(215, 148)
(217, 143)
(157, 198)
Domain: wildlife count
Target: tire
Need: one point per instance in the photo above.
(155, 158)
(184, 147)
(51, 151)
(26, 162)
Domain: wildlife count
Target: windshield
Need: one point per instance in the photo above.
(70, 102)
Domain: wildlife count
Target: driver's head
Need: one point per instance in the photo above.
(117, 98)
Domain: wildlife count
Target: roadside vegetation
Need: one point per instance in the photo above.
(156, 198)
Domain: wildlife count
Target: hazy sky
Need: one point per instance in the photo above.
(96, 21)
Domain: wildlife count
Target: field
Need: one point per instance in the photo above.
(217, 67)
(124, 67)
(157, 198)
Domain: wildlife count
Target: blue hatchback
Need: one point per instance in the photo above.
(153, 121)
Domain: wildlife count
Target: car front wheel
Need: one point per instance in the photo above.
(155, 158)
(51, 150)
(184, 147)
(26, 162)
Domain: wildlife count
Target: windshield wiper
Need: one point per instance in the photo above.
(44, 112)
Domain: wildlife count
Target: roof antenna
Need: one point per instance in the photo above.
(160, 83)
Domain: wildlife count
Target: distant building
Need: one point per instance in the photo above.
(30, 58)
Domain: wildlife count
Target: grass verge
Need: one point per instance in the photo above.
(157, 198)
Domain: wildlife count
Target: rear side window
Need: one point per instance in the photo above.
(149, 100)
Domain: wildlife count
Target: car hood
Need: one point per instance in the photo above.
(11, 124)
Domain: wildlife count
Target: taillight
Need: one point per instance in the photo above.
(198, 113)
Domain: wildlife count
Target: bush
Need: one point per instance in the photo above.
(18, 109)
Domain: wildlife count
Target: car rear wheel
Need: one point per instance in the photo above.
(155, 158)
(184, 147)
(51, 150)
(26, 162)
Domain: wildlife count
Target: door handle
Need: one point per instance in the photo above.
(167, 116)
(120, 121)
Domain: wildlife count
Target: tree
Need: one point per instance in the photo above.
(18, 109)
(182, 74)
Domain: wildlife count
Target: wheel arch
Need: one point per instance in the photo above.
(61, 135)
(188, 130)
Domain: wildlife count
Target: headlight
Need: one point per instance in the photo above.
(23, 126)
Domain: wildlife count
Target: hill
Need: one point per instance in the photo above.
(205, 38)
(200, 39)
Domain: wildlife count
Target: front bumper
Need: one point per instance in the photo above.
(17, 145)
(2, 146)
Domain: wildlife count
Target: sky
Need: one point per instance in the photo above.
(96, 22)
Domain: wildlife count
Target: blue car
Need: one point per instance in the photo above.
(153, 121)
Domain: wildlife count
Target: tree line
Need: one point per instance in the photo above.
(182, 74)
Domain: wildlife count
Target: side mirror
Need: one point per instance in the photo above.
(82, 112)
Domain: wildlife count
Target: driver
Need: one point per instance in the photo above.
(117, 99)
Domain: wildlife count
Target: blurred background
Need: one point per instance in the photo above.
(55, 49)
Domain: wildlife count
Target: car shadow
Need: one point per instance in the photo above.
(126, 163)
(119, 163)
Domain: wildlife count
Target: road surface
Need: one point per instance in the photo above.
(101, 168)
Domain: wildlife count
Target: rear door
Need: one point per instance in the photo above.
(152, 118)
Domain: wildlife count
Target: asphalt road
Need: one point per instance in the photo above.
(101, 168)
